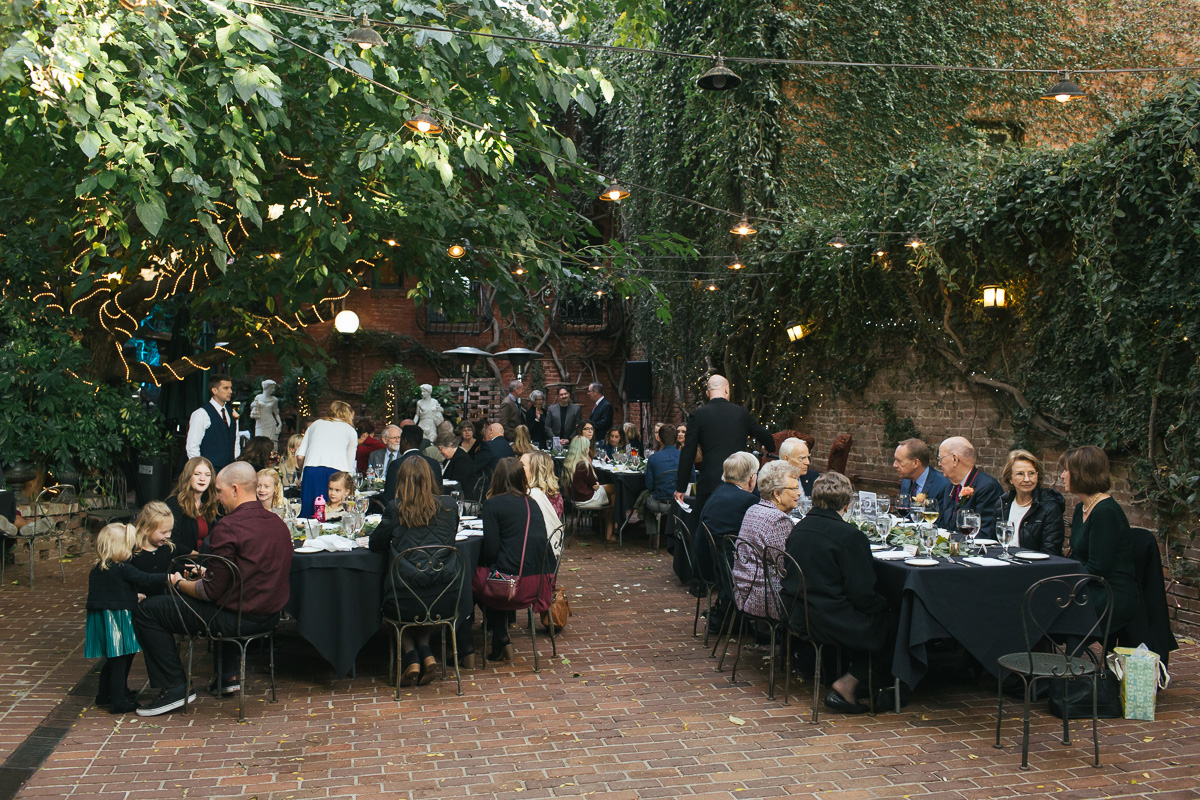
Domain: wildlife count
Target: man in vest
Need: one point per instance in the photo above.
(212, 429)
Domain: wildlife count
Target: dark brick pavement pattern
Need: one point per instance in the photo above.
(633, 708)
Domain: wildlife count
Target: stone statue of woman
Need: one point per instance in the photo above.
(265, 409)
(429, 413)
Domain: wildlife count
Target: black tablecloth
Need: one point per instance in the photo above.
(337, 599)
(979, 606)
(628, 486)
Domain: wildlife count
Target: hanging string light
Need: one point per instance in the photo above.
(457, 250)
(423, 123)
(838, 242)
(743, 228)
(737, 265)
(518, 271)
(1064, 91)
(364, 35)
(614, 192)
(879, 251)
(712, 287)
(914, 242)
(719, 79)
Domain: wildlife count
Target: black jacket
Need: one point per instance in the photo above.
(155, 562)
(720, 429)
(601, 419)
(389, 483)
(186, 532)
(985, 498)
(392, 537)
(489, 456)
(537, 427)
(1042, 527)
(504, 522)
(843, 605)
(459, 467)
(117, 587)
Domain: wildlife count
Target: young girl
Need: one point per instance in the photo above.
(113, 588)
(153, 548)
(289, 470)
(194, 505)
(341, 486)
(270, 490)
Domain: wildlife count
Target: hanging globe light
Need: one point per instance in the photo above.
(345, 322)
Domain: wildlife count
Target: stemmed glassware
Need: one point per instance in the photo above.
(1006, 532)
(968, 524)
(882, 504)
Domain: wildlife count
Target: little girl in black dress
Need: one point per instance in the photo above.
(113, 588)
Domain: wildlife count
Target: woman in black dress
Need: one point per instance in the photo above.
(512, 523)
(417, 517)
(1100, 537)
(535, 418)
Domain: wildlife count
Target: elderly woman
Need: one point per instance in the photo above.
(766, 524)
(470, 434)
(844, 607)
(1035, 510)
(795, 452)
(535, 418)
(1100, 536)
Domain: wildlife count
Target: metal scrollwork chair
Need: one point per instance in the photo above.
(701, 587)
(223, 625)
(427, 584)
(547, 577)
(1068, 657)
(750, 555)
(52, 510)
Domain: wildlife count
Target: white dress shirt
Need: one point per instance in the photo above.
(198, 426)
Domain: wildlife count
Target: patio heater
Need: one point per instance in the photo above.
(465, 358)
(519, 357)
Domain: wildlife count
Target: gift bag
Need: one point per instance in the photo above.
(1141, 674)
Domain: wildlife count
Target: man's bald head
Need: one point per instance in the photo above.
(956, 457)
(493, 431)
(718, 387)
(236, 484)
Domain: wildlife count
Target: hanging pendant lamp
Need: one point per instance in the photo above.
(1064, 91)
(364, 35)
(719, 79)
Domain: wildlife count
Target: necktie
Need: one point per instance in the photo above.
(957, 491)
(224, 418)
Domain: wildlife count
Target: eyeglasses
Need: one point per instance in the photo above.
(942, 458)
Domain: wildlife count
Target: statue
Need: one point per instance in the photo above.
(429, 413)
(265, 409)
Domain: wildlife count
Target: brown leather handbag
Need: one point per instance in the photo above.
(560, 609)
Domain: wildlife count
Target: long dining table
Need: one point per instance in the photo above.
(977, 605)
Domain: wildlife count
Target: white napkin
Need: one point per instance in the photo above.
(891, 555)
(684, 506)
(984, 561)
(332, 542)
(466, 533)
(374, 519)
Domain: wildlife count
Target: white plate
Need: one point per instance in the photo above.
(1029, 555)
(309, 550)
(988, 542)
(893, 555)
(467, 518)
(921, 562)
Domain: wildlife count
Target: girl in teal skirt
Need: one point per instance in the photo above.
(114, 589)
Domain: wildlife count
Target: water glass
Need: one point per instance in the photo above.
(882, 504)
(883, 526)
(1006, 533)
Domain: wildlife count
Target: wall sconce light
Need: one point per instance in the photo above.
(995, 298)
(796, 331)
(345, 322)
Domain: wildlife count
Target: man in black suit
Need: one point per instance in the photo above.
(911, 462)
(970, 487)
(722, 516)
(719, 429)
(493, 448)
(563, 418)
(410, 447)
(602, 412)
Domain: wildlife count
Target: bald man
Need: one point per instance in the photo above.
(719, 429)
(970, 487)
(494, 448)
(259, 544)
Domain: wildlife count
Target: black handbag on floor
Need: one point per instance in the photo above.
(1076, 695)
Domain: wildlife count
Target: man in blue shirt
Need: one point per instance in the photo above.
(661, 469)
(911, 462)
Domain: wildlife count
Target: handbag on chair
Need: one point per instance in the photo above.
(559, 611)
(504, 592)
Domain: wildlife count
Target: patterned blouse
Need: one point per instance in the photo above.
(765, 526)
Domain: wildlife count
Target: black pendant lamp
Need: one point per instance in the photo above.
(719, 79)
(1064, 91)
(364, 35)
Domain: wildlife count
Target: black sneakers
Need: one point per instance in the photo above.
(229, 686)
(168, 700)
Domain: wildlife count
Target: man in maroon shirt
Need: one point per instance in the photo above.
(258, 543)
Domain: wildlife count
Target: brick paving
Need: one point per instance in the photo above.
(633, 708)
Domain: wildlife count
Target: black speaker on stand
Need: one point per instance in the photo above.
(639, 388)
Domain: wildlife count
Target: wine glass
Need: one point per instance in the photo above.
(968, 523)
(927, 536)
(1006, 532)
(882, 504)
(903, 504)
(883, 526)
(929, 512)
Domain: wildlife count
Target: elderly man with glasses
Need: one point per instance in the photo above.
(970, 487)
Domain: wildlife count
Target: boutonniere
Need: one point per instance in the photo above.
(965, 494)
(920, 499)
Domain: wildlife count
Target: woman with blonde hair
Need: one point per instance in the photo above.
(289, 470)
(328, 446)
(537, 481)
(193, 505)
(1035, 510)
(586, 490)
(522, 444)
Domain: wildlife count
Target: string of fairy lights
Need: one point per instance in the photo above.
(430, 121)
